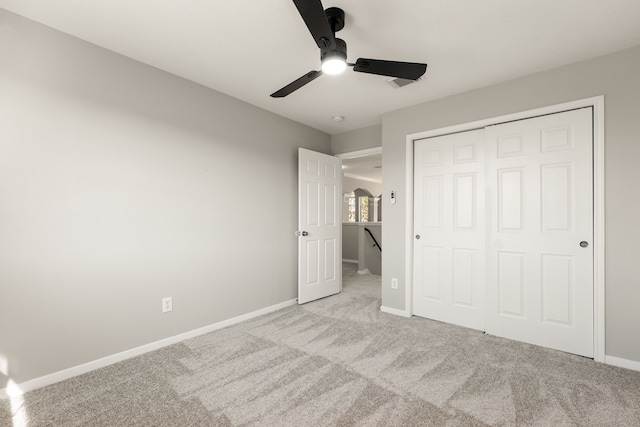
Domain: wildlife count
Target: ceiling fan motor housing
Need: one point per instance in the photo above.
(340, 51)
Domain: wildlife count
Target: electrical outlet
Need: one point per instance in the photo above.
(394, 283)
(167, 304)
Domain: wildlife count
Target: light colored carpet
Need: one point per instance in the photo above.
(341, 362)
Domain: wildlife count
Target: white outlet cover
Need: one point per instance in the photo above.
(394, 283)
(167, 304)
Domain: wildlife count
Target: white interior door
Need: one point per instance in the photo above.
(539, 274)
(449, 228)
(319, 225)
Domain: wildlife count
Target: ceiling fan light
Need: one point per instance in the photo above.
(333, 65)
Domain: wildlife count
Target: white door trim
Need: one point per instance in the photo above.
(597, 103)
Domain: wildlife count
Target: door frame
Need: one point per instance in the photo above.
(354, 155)
(359, 153)
(597, 103)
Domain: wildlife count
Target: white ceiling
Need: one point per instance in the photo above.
(250, 48)
(366, 167)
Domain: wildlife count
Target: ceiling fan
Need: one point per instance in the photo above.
(323, 25)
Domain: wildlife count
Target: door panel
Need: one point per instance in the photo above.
(511, 199)
(463, 270)
(539, 279)
(557, 289)
(449, 218)
(511, 283)
(320, 216)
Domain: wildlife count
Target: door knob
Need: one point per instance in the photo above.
(301, 233)
(418, 236)
(584, 244)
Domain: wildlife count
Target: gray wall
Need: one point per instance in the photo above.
(122, 184)
(617, 76)
(350, 241)
(355, 140)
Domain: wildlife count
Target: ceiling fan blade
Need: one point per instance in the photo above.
(403, 70)
(313, 14)
(297, 84)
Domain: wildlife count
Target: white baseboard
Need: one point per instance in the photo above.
(622, 363)
(352, 261)
(394, 311)
(18, 389)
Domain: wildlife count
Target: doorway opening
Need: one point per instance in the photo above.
(362, 211)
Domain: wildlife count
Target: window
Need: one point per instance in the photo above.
(351, 207)
(361, 206)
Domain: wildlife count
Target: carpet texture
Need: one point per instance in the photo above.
(341, 362)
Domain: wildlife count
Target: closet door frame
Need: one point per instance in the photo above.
(597, 103)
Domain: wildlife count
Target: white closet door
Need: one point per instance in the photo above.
(449, 241)
(539, 275)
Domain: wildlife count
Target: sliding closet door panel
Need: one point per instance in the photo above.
(540, 209)
(449, 260)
